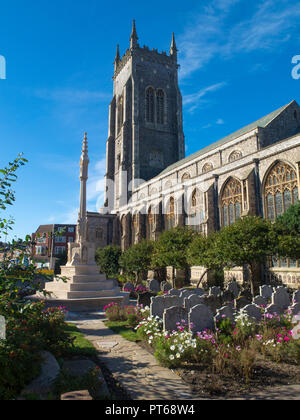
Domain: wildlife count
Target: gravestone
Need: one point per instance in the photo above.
(274, 309)
(266, 291)
(281, 297)
(173, 315)
(174, 292)
(296, 296)
(295, 308)
(224, 312)
(145, 298)
(215, 291)
(198, 291)
(213, 302)
(191, 301)
(129, 287)
(160, 303)
(165, 286)
(260, 301)
(234, 288)
(253, 311)
(154, 286)
(201, 318)
(241, 302)
(227, 297)
(185, 293)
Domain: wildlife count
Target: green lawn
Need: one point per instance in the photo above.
(82, 347)
(122, 328)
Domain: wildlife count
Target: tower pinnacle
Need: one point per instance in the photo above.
(134, 38)
(118, 58)
(173, 49)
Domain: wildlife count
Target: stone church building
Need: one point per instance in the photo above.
(150, 184)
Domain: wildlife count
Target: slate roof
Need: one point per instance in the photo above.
(262, 122)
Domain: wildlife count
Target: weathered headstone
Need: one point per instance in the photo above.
(201, 318)
(253, 311)
(295, 308)
(198, 291)
(274, 309)
(154, 286)
(296, 296)
(224, 312)
(174, 292)
(145, 298)
(260, 301)
(241, 302)
(128, 287)
(160, 303)
(186, 293)
(213, 302)
(266, 291)
(191, 301)
(281, 297)
(227, 297)
(165, 286)
(234, 288)
(173, 315)
(216, 291)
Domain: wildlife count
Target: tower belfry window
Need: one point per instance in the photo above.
(160, 107)
(150, 105)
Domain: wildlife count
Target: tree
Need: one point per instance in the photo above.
(137, 259)
(108, 260)
(170, 250)
(202, 251)
(287, 232)
(249, 241)
(7, 195)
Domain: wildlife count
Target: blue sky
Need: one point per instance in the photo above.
(235, 58)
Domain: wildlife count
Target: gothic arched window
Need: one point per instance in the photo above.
(120, 114)
(160, 106)
(185, 177)
(281, 190)
(150, 105)
(170, 216)
(196, 212)
(231, 202)
(134, 228)
(235, 156)
(150, 224)
(207, 167)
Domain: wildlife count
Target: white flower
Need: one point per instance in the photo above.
(172, 348)
(172, 357)
(178, 355)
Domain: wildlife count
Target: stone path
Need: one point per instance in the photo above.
(139, 372)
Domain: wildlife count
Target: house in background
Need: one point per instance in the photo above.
(50, 242)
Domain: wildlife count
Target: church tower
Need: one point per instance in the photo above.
(145, 119)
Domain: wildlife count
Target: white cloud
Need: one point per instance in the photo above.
(194, 100)
(214, 33)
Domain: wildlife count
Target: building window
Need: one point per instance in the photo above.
(160, 106)
(58, 250)
(281, 190)
(185, 177)
(134, 228)
(196, 217)
(70, 239)
(60, 239)
(150, 224)
(120, 114)
(235, 156)
(170, 217)
(231, 202)
(71, 229)
(207, 168)
(150, 105)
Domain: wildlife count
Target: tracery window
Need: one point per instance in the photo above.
(150, 105)
(170, 216)
(196, 212)
(281, 190)
(231, 202)
(185, 177)
(235, 156)
(207, 168)
(160, 106)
